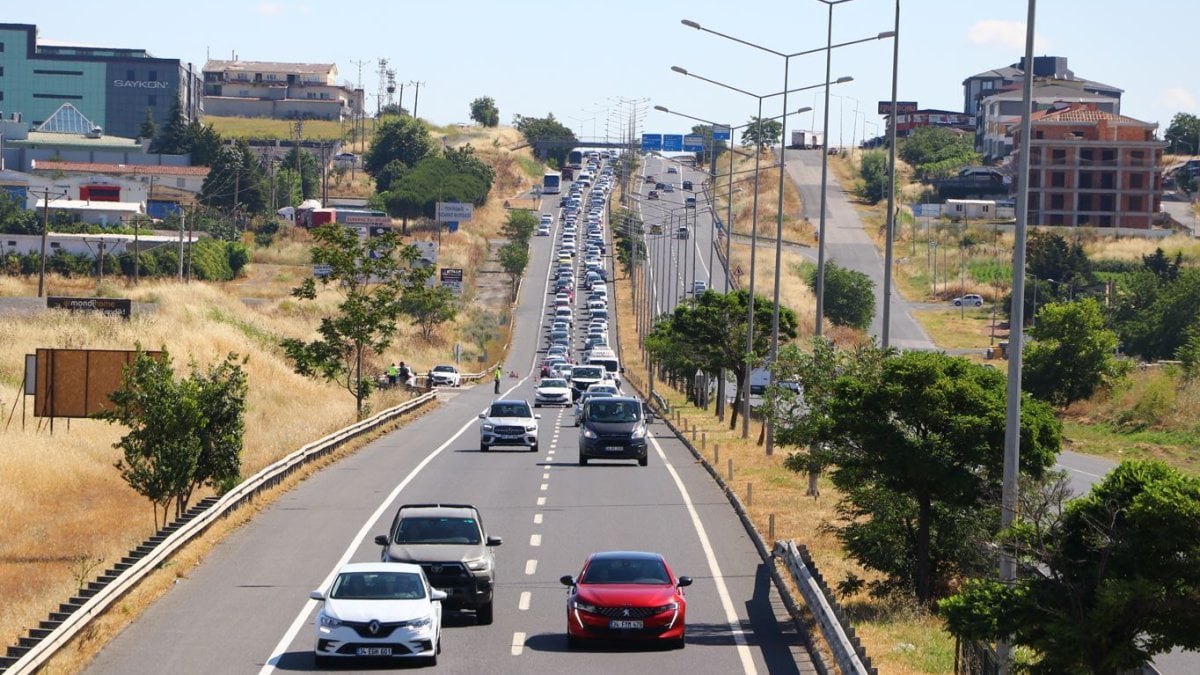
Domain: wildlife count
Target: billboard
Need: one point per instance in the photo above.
(902, 107)
(122, 307)
(452, 278)
(77, 382)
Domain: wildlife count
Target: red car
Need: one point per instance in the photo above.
(626, 595)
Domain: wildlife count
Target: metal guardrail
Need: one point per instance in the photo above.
(33, 651)
(841, 641)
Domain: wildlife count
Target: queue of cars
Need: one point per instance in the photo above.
(436, 555)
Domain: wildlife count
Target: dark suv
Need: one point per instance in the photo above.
(613, 428)
(448, 542)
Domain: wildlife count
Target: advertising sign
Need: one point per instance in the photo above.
(122, 307)
(902, 107)
(452, 278)
(428, 251)
(672, 142)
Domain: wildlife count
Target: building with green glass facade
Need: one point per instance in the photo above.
(111, 87)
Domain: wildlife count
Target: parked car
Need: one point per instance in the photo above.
(508, 423)
(552, 391)
(362, 595)
(445, 376)
(970, 300)
(626, 595)
(453, 549)
(613, 428)
(345, 157)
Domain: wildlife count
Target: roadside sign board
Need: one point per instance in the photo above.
(672, 142)
(428, 251)
(452, 278)
(322, 270)
(651, 142)
(693, 143)
(721, 132)
(454, 211)
(122, 307)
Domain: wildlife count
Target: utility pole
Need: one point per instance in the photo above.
(45, 235)
(182, 220)
(298, 126)
(416, 96)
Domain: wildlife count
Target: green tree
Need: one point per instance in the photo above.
(520, 225)
(235, 180)
(433, 179)
(429, 307)
(1072, 354)
(15, 218)
(1153, 316)
(389, 175)
(172, 139)
(371, 276)
(875, 177)
(549, 138)
(849, 295)
(465, 161)
(711, 148)
(514, 258)
(203, 142)
(938, 152)
(1183, 134)
(1050, 257)
(764, 133)
(1163, 268)
(485, 112)
(182, 433)
(404, 138)
(149, 128)
(916, 447)
(1104, 588)
(310, 172)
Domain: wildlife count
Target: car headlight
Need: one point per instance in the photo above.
(588, 433)
(477, 565)
(639, 432)
(666, 608)
(423, 622)
(485, 427)
(583, 606)
(531, 428)
(327, 621)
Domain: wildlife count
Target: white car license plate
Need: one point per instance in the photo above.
(382, 651)
(614, 448)
(615, 624)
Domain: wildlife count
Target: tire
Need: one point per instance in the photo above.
(484, 614)
(573, 642)
(979, 304)
(679, 642)
(958, 303)
(583, 460)
(533, 448)
(322, 661)
(537, 405)
(644, 461)
(484, 447)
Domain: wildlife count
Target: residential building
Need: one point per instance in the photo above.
(1001, 113)
(906, 121)
(163, 189)
(1090, 167)
(112, 87)
(1046, 70)
(278, 90)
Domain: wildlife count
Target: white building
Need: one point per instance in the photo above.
(89, 244)
(278, 90)
(99, 213)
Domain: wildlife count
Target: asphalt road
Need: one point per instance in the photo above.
(246, 607)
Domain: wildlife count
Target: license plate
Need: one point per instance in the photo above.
(614, 624)
(615, 448)
(385, 651)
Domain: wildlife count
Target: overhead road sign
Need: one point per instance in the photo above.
(693, 143)
(651, 142)
(721, 132)
(672, 143)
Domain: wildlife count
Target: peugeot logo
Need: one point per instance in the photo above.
(373, 627)
(625, 612)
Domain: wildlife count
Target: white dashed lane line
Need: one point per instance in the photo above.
(523, 603)
(535, 540)
(530, 567)
(541, 501)
(545, 486)
(537, 519)
(518, 643)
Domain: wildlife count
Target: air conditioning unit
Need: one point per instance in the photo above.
(95, 132)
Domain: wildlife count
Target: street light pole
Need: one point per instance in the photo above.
(891, 208)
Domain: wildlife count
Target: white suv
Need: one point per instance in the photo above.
(508, 423)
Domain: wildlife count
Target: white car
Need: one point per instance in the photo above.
(445, 376)
(970, 300)
(605, 386)
(543, 230)
(552, 391)
(508, 423)
(393, 601)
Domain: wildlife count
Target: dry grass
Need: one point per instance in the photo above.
(795, 229)
(886, 630)
(961, 328)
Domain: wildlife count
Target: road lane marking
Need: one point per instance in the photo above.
(530, 567)
(523, 603)
(535, 540)
(545, 486)
(545, 476)
(541, 501)
(537, 519)
(518, 643)
(731, 616)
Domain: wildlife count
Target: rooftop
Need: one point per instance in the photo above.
(1084, 113)
(269, 66)
(123, 169)
(74, 140)
(88, 205)
(1058, 92)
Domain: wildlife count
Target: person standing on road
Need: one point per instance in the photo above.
(496, 377)
(393, 372)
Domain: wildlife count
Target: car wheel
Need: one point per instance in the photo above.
(533, 448)
(573, 642)
(537, 405)
(679, 642)
(484, 614)
(583, 460)
(957, 303)
(484, 447)
(643, 461)
(979, 304)
(322, 661)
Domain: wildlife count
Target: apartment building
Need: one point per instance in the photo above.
(278, 90)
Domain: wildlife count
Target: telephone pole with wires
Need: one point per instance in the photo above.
(46, 196)
(416, 96)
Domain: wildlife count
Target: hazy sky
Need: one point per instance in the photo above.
(576, 59)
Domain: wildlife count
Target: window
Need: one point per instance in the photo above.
(38, 71)
(1058, 179)
(1058, 156)
(55, 244)
(1135, 203)
(1, 71)
(1135, 180)
(1, 46)
(152, 100)
(1, 96)
(1056, 201)
(72, 97)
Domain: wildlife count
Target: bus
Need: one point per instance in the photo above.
(551, 183)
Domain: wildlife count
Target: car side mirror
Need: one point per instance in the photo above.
(494, 541)
(482, 415)
(684, 581)
(567, 580)
(382, 540)
(435, 594)
(316, 595)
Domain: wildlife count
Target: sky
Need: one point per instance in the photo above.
(593, 64)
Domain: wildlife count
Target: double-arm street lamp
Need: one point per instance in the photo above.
(754, 217)
(787, 58)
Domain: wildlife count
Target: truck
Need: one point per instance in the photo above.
(804, 140)
(568, 173)
(359, 218)
(575, 158)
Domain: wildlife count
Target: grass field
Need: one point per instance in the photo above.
(265, 128)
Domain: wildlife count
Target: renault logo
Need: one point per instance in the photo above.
(373, 627)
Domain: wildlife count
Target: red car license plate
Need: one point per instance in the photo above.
(615, 624)
(377, 651)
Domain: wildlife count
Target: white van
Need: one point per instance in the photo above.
(608, 358)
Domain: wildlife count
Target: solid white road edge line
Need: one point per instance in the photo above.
(714, 568)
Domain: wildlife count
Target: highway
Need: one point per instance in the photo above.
(246, 607)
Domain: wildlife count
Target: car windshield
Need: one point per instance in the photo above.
(437, 531)
(377, 586)
(614, 411)
(626, 571)
(517, 409)
(586, 373)
(589, 395)
(444, 369)
(553, 383)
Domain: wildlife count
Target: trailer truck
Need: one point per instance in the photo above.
(804, 140)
